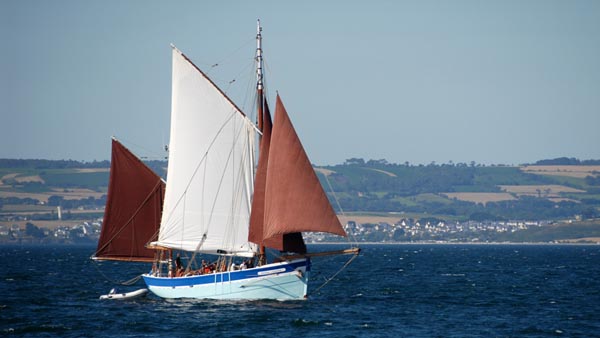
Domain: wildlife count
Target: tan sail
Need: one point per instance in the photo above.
(133, 209)
(292, 242)
(294, 198)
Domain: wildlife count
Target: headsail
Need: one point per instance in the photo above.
(207, 202)
(133, 208)
(284, 242)
(294, 198)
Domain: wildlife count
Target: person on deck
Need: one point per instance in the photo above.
(178, 267)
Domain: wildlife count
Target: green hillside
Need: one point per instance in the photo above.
(39, 186)
(464, 191)
(550, 189)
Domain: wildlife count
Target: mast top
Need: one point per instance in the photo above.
(259, 59)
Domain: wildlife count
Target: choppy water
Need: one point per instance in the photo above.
(400, 290)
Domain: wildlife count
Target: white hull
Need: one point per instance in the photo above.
(281, 281)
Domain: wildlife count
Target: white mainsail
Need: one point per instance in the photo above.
(210, 171)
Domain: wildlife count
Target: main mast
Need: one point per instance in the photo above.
(269, 225)
(262, 258)
(259, 76)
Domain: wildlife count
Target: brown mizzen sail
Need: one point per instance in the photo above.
(133, 209)
(292, 242)
(294, 198)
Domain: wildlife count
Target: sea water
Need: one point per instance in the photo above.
(388, 291)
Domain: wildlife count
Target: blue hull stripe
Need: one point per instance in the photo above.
(225, 276)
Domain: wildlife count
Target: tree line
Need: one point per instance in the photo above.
(377, 185)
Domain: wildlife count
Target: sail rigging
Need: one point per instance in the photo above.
(133, 208)
(210, 170)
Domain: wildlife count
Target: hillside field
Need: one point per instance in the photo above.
(578, 171)
(448, 191)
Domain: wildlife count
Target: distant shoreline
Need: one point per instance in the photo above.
(456, 243)
(94, 243)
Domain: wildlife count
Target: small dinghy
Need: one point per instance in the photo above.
(127, 295)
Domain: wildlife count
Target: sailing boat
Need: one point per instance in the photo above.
(219, 202)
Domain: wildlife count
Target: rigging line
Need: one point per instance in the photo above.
(239, 190)
(231, 54)
(154, 153)
(212, 83)
(337, 202)
(202, 202)
(246, 94)
(156, 233)
(248, 72)
(219, 186)
(239, 76)
(243, 73)
(334, 195)
(125, 283)
(266, 69)
(196, 251)
(334, 275)
(239, 184)
(229, 85)
(202, 159)
(201, 243)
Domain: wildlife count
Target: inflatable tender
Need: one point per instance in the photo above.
(127, 295)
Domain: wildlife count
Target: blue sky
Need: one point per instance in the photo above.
(495, 82)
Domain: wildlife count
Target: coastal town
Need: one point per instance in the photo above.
(404, 230)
